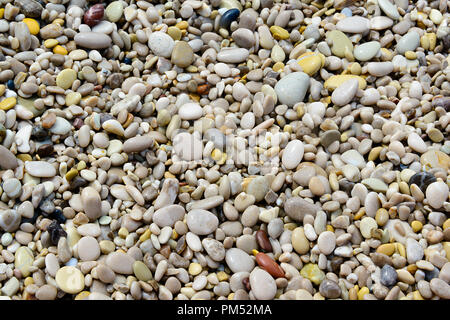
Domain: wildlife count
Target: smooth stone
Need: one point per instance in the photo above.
(299, 241)
(380, 23)
(182, 54)
(12, 188)
(292, 88)
(340, 43)
(435, 159)
(367, 225)
(214, 248)
(335, 81)
(9, 220)
(409, 42)
(244, 38)
(7, 159)
(40, 169)
(437, 194)
(88, 249)
(201, 222)
(354, 24)
(23, 260)
(238, 260)
(330, 289)
(292, 154)
(330, 136)
(416, 143)
(167, 216)
(65, 78)
(11, 287)
(380, 69)
(120, 262)
(233, 55)
(313, 273)
(187, 146)
(258, 187)
(92, 40)
(353, 157)
(114, 11)
(228, 17)
(345, 93)
(297, 208)
(375, 184)
(137, 144)
(91, 201)
(263, 285)
(388, 276)
(190, 111)
(70, 280)
(311, 62)
(161, 44)
(46, 292)
(440, 288)
(389, 9)
(61, 126)
(414, 251)
(141, 271)
(326, 242)
(104, 26)
(366, 51)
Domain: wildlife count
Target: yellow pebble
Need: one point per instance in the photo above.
(81, 165)
(446, 224)
(359, 214)
(50, 43)
(374, 153)
(411, 55)
(2, 89)
(416, 225)
(231, 296)
(353, 293)
(279, 33)
(59, 21)
(123, 232)
(401, 249)
(182, 25)
(24, 157)
(32, 25)
(278, 67)
(60, 50)
(82, 295)
(71, 174)
(145, 236)
(446, 246)
(362, 292)
(167, 175)
(222, 276)
(417, 296)
(175, 235)
(8, 103)
(311, 62)
(387, 249)
(28, 281)
(216, 154)
(195, 269)
(330, 228)
(2, 12)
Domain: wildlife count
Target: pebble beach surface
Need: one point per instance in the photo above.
(224, 149)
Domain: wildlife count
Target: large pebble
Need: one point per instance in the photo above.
(326, 242)
(353, 157)
(437, 194)
(238, 260)
(9, 220)
(293, 154)
(187, 146)
(120, 262)
(7, 159)
(214, 248)
(70, 279)
(292, 88)
(167, 216)
(414, 251)
(262, 284)
(93, 40)
(137, 144)
(182, 54)
(297, 208)
(345, 92)
(409, 42)
(88, 249)
(367, 50)
(389, 9)
(202, 222)
(40, 169)
(440, 288)
(190, 111)
(354, 24)
(91, 201)
(233, 55)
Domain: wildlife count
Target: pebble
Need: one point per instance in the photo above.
(367, 226)
(389, 9)
(354, 24)
(239, 261)
(409, 42)
(388, 276)
(114, 11)
(201, 222)
(120, 262)
(190, 111)
(167, 216)
(414, 251)
(354, 158)
(437, 194)
(88, 248)
(440, 288)
(137, 144)
(182, 54)
(91, 201)
(297, 208)
(345, 93)
(70, 280)
(187, 146)
(92, 40)
(40, 169)
(367, 50)
(7, 159)
(330, 289)
(263, 285)
(292, 88)
(233, 55)
(326, 242)
(293, 154)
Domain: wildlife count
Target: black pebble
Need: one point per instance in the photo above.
(422, 179)
(56, 232)
(228, 17)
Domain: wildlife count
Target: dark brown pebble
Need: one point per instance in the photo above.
(45, 150)
(263, 240)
